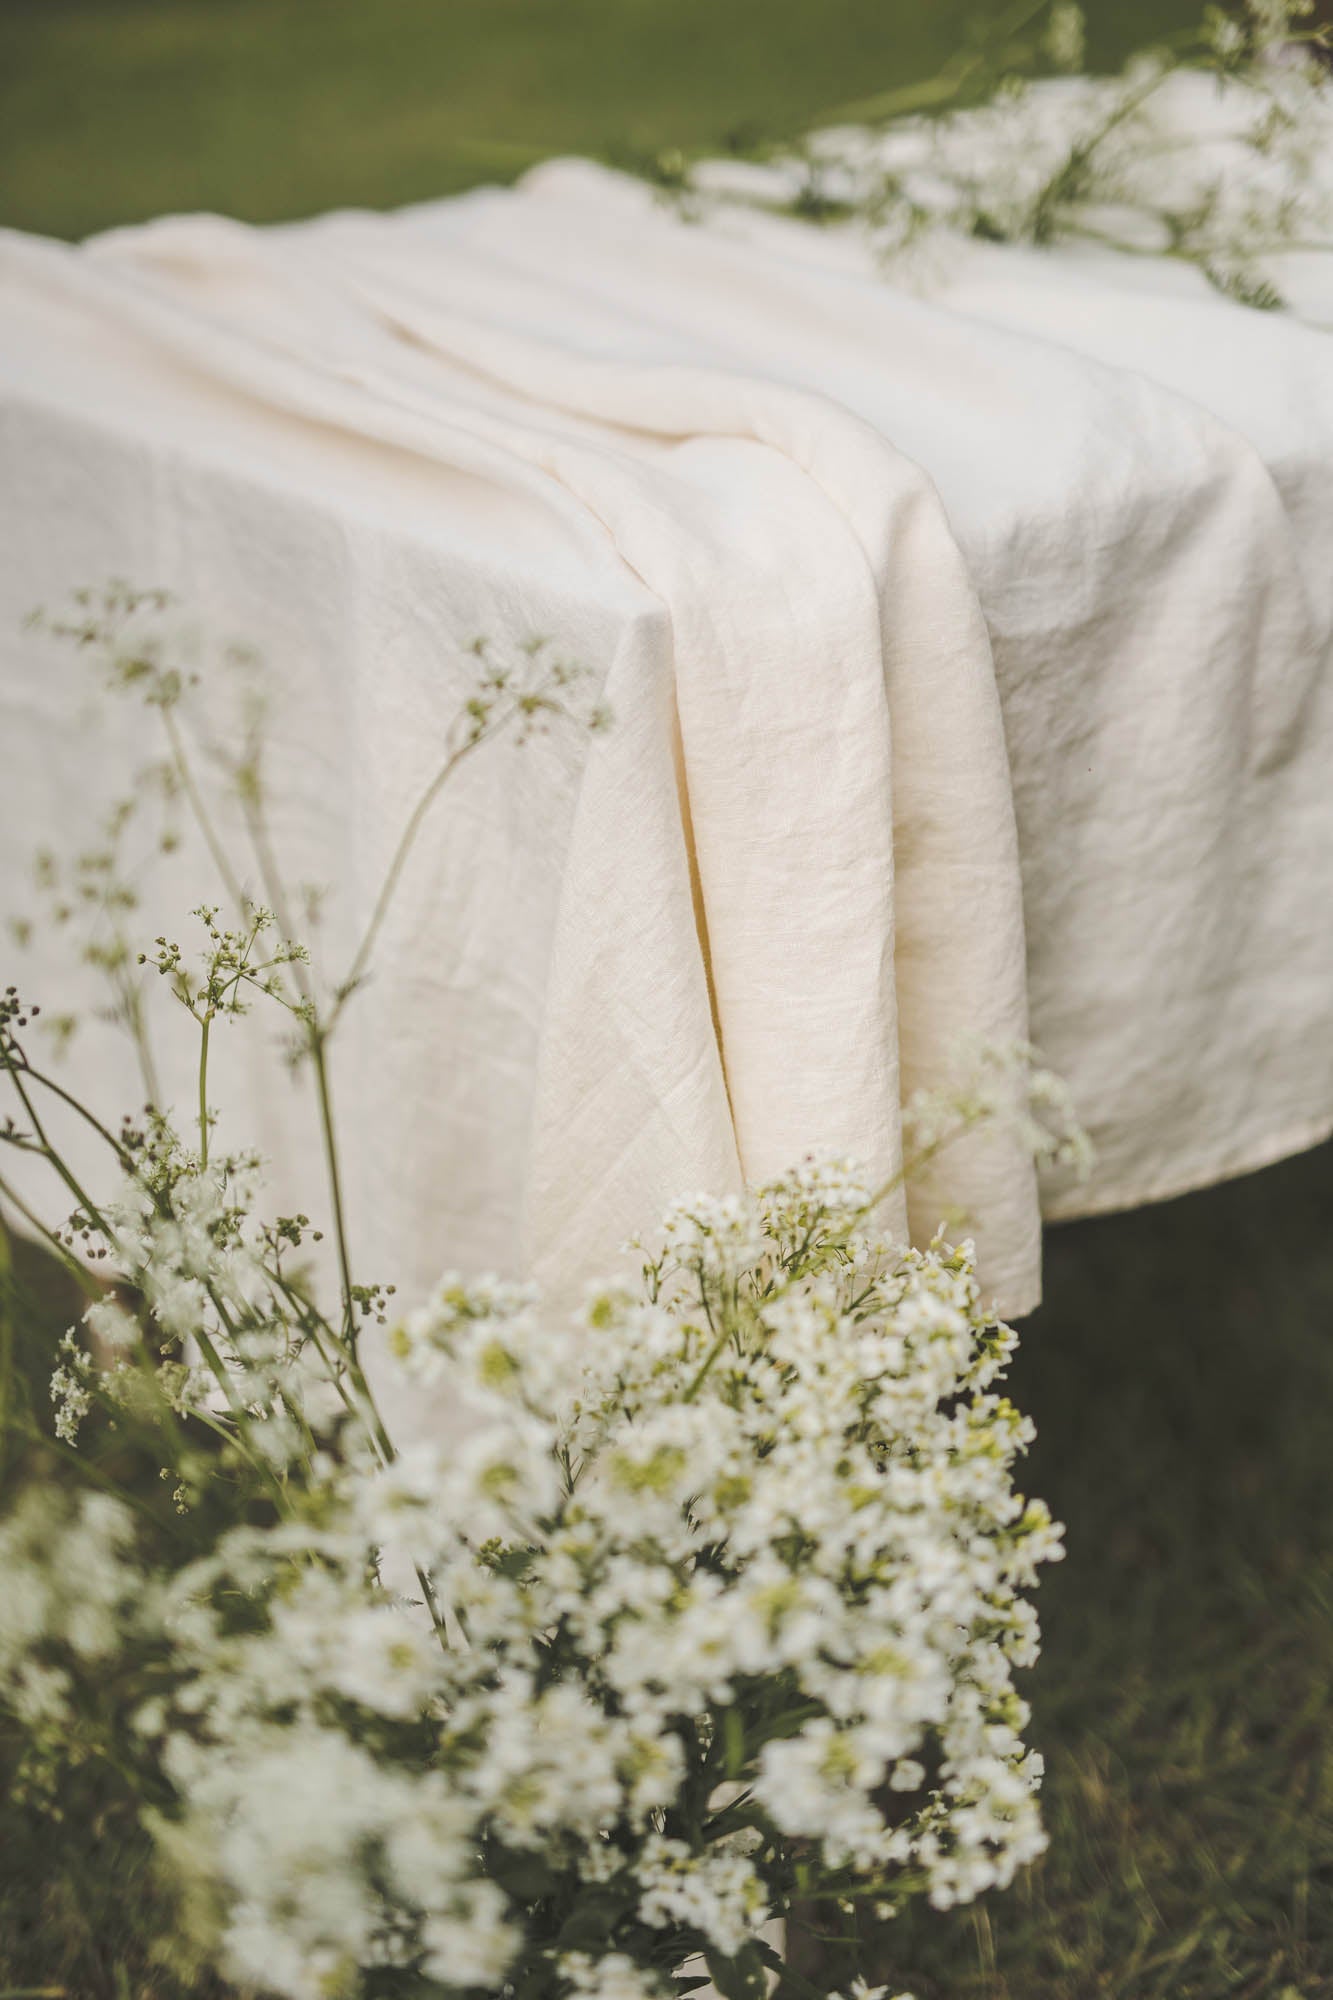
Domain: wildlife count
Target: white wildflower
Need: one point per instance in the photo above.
(1066, 35)
(613, 1977)
(717, 1894)
(111, 1323)
(384, 1661)
(727, 1568)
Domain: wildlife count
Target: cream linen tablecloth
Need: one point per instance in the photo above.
(969, 657)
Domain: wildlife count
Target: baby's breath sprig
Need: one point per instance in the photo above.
(523, 695)
(235, 965)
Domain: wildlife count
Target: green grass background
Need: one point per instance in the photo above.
(1182, 1368)
(112, 110)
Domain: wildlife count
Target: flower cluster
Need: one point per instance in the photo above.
(707, 1614)
(1213, 151)
(722, 1593)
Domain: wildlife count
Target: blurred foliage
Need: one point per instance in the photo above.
(73, 1893)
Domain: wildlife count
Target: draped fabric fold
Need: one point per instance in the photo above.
(969, 660)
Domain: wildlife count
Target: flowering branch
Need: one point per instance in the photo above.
(978, 152)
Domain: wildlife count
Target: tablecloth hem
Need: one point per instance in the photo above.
(1210, 1173)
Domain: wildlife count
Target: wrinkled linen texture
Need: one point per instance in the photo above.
(969, 658)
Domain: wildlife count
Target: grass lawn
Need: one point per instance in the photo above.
(112, 110)
(1182, 1368)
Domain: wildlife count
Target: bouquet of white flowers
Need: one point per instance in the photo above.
(711, 1614)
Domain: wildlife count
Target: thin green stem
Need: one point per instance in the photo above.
(57, 1090)
(204, 1027)
(240, 1414)
(77, 1270)
(722, 1337)
(913, 1166)
(90, 1470)
(388, 887)
(1066, 178)
(315, 1327)
(333, 1169)
(433, 1606)
(203, 819)
(316, 1036)
(271, 877)
(6, 1341)
(945, 86)
(134, 1016)
(54, 1159)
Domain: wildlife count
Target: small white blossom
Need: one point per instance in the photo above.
(717, 1894)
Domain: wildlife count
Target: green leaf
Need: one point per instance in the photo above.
(739, 1978)
(733, 1730)
(526, 1877)
(593, 1918)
